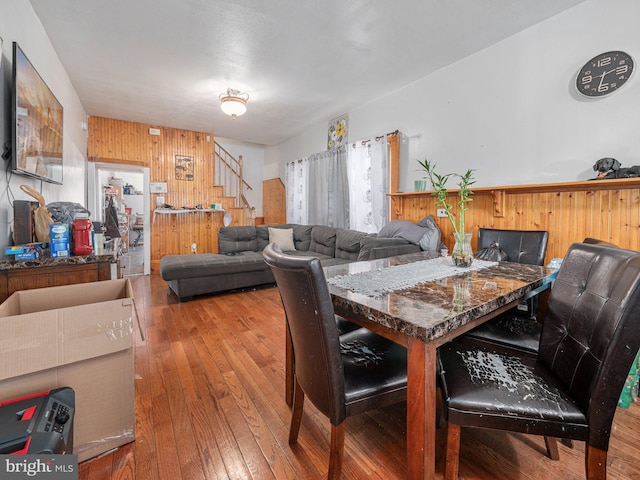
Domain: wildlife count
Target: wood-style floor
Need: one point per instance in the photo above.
(210, 405)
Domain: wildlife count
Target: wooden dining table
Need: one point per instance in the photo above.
(424, 315)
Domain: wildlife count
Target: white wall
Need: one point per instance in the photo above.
(19, 23)
(510, 111)
(253, 161)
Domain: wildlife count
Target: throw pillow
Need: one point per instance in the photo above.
(283, 237)
(402, 229)
(431, 240)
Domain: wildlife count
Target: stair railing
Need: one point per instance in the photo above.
(228, 173)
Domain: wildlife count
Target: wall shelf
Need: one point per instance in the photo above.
(183, 211)
(586, 185)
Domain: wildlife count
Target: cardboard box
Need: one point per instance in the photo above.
(80, 336)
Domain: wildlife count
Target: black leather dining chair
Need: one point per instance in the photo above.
(342, 324)
(516, 330)
(597, 241)
(341, 375)
(590, 336)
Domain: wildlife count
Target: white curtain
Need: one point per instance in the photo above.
(344, 187)
(367, 167)
(328, 188)
(359, 172)
(296, 175)
(379, 152)
(318, 190)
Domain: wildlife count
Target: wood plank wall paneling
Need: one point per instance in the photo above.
(121, 142)
(274, 202)
(606, 209)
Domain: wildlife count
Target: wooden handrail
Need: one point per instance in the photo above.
(228, 173)
(228, 165)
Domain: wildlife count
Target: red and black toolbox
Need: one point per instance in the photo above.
(41, 423)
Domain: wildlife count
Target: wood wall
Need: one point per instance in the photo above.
(274, 202)
(121, 142)
(604, 209)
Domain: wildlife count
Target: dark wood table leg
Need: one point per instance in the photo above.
(421, 410)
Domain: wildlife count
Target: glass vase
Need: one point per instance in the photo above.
(462, 256)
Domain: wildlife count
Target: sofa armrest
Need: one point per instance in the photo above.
(392, 251)
(374, 248)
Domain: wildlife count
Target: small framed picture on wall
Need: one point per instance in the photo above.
(184, 168)
(337, 132)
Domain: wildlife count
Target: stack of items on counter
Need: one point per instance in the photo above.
(28, 251)
(64, 227)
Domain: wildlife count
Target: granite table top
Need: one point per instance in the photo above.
(47, 261)
(434, 308)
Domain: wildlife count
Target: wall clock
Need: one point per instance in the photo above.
(604, 74)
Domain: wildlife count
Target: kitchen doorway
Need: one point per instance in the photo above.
(131, 201)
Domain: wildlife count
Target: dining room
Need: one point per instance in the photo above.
(210, 403)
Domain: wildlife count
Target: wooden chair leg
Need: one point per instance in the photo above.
(595, 463)
(452, 452)
(336, 455)
(296, 414)
(552, 448)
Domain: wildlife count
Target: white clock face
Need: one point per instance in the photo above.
(604, 74)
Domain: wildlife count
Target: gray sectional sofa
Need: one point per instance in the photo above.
(239, 263)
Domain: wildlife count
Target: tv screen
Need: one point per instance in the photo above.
(37, 123)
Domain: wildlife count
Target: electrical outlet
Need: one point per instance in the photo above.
(441, 212)
(194, 248)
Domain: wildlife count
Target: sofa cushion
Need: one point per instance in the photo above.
(283, 237)
(348, 243)
(174, 267)
(323, 240)
(237, 239)
(301, 235)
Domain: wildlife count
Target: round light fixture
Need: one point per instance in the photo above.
(234, 102)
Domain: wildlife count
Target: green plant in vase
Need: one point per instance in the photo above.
(462, 255)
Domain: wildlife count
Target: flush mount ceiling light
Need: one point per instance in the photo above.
(234, 103)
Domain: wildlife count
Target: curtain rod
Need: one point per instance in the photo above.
(378, 138)
(364, 142)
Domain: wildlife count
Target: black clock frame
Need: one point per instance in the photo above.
(615, 65)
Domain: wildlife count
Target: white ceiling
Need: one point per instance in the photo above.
(165, 62)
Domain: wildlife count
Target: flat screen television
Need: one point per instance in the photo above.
(37, 123)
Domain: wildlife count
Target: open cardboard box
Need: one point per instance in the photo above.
(80, 336)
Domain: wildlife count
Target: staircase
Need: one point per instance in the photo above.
(229, 181)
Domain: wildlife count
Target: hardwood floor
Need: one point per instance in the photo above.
(210, 405)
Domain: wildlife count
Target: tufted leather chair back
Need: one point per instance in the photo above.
(521, 246)
(311, 319)
(591, 331)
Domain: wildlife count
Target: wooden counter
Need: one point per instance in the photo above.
(52, 272)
